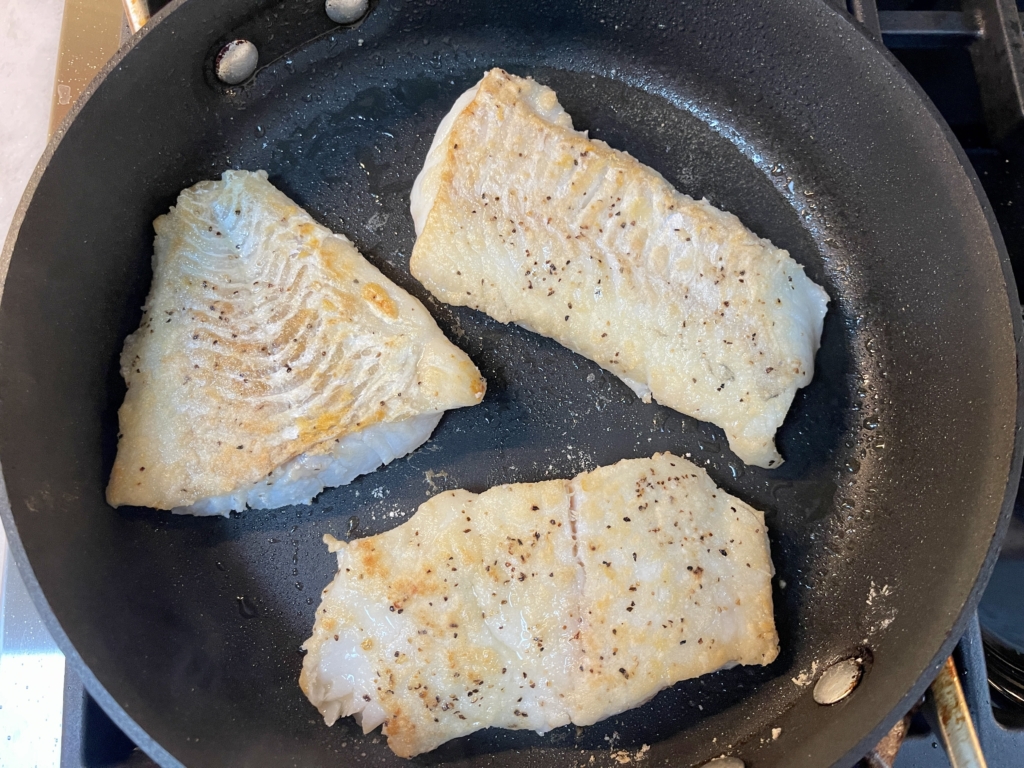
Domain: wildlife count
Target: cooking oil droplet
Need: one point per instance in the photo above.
(779, 489)
(852, 465)
(246, 607)
(870, 423)
(709, 446)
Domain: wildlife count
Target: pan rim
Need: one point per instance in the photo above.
(92, 685)
(152, 748)
(1016, 463)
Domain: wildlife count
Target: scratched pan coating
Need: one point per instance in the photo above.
(899, 456)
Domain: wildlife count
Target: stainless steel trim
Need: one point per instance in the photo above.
(137, 14)
(90, 34)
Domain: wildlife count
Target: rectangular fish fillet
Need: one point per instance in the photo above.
(272, 360)
(524, 218)
(530, 606)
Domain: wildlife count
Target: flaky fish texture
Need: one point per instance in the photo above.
(272, 359)
(524, 218)
(531, 606)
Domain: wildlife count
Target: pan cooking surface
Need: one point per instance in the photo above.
(548, 413)
(348, 151)
(193, 625)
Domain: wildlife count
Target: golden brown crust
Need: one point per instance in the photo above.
(265, 336)
(492, 611)
(534, 223)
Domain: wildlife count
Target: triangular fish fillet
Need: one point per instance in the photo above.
(272, 360)
(532, 222)
(531, 606)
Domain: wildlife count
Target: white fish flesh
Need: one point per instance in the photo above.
(272, 360)
(524, 218)
(531, 606)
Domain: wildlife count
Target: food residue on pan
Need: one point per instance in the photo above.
(429, 476)
(806, 677)
(624, 757)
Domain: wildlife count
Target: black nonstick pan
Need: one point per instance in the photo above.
(902, 456)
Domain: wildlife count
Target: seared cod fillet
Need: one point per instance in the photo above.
(534, 605)
(272, 360)
(524, 218)
(676, 582)
(457, 620)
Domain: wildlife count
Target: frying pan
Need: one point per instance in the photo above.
(901, 456)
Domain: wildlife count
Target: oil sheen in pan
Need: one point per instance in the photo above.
(549, 413)
(343, 131)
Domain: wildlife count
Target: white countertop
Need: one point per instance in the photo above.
(31, 667)
(29, 36)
